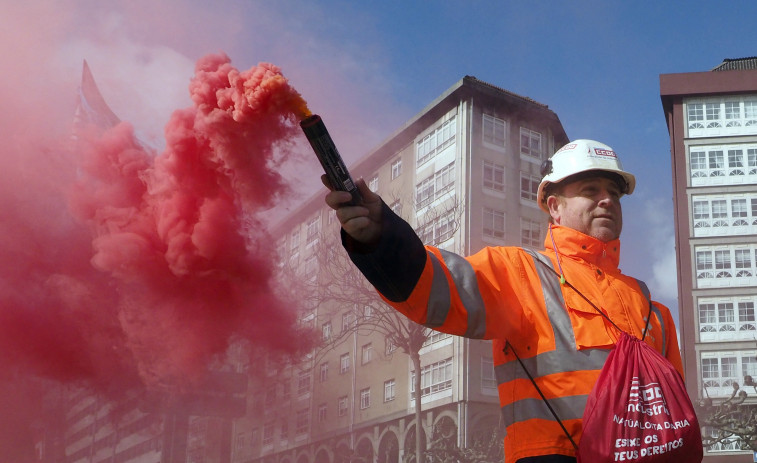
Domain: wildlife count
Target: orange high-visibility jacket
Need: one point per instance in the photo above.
(504, 294)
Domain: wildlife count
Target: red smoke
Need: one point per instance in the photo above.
(129, 266)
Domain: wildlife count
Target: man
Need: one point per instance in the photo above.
(553, 316)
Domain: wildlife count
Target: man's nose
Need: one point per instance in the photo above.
(607, 198)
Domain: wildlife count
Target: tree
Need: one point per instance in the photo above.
(732, 419)
(330, 285)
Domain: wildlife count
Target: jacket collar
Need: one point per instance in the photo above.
(573, 244)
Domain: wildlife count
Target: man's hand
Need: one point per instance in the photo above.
(362, 222)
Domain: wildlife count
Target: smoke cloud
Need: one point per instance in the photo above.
(163, 256)
(132, 259)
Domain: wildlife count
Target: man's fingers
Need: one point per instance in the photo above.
(326, 183)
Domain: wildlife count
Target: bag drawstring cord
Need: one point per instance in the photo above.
(510, 347)
(563, 281)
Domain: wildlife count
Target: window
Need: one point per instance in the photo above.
(749, 365)
(367, 312)
(373, 183)
(434, 378)
(739, 212)
(342, 406)
(390, 346)
(750, 112)
(721, 370)
(439, 229)
(268, 434)
(322, 413)
(718, 116)
(348, 321)
(727, 318)
(302, 421)
(307, 319)
(720, 211)
(365, 398)
(434, 186)
(436, 141)
(698, 164)
(326, 331)
(728, 370)
(529, 187)
(488, 379)
(710, 372)
(712, 115)
(726, 266)
(723, 263)
(747, 318)
(494, 176)
(303, 383)
(716, 163)
(723, 164)
(240, 441)
(396, 207)
(530, 143)
(704, 264)
(721, 215)
(313, 227)
(324, 372)
(396, 168)
(367, 353)
(494, 223)
(294, 247)
(493, 130)
(344, 363)
(736, 162)
(695, 113)
(743, 262)
(530, 233)
(390, 387)
(732, 114)
(432, 337)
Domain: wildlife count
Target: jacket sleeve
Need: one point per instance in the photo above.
(436, 288)
(395, 264)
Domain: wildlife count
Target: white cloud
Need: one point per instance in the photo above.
(662, 250)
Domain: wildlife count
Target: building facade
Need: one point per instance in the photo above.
(464, 173)
(712, 122)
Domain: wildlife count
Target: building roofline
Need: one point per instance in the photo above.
(737, 64)
(466, 84)
(708, 83)
(395, 141)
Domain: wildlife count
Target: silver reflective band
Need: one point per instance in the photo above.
(564, 358)
(464, 279)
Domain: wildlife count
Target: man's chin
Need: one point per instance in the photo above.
(605, 234)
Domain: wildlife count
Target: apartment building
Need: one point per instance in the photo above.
(712, 122)
(464, 173)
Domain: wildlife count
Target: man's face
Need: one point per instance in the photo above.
(590, 205)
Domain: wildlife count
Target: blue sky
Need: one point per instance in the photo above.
(367, 67)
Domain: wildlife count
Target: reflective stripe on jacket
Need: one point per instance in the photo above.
(503, 294)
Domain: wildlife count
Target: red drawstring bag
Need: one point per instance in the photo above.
(639, 410)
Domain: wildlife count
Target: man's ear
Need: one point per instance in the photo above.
(552, 206)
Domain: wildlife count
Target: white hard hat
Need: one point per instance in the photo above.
(581, 156)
